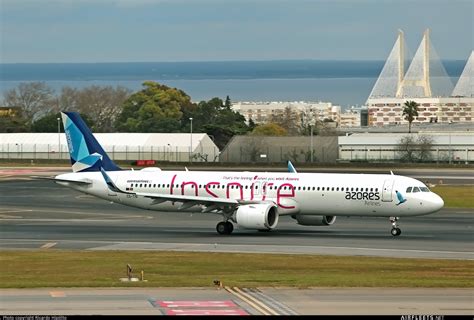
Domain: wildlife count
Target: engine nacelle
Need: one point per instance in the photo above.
(307, 220)
(257, 216)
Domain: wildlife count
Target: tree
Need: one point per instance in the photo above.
(406, 149)
(12, 124)
(309, 122)
(49, 122)
(34, 99)
(228, 103)
(415, 150)
(156, 108)
(410, 111)
(425, 145)
(103, 104)
(287, 119)
(269, 129)
(252, 124)
(217, 119)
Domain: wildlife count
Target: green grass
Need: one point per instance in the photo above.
(456, 196)
(57, 268)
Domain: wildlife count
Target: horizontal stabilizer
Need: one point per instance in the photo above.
(83, 182)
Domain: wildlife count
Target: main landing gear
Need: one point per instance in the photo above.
(225, 227)
(395, 229)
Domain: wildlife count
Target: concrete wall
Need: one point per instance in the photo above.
(280, 149)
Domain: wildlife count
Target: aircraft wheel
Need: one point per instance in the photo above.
(396, 232)
(222, 228)
(230, 227)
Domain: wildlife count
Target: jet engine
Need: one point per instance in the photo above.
(257, 216)
(308, 220)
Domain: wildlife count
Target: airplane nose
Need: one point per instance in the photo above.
(437, 202)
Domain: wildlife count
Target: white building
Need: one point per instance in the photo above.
(119, 146)
(446, 146)
(385, 111)
(262, 112)
(350, 118)
(426, 82)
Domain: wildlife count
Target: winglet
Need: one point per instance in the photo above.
(391, 172)
(291, 168)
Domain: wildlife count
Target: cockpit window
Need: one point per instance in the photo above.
(416, 189)
(424, 189)
(409, 189)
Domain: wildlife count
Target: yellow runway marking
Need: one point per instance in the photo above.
(252, 301)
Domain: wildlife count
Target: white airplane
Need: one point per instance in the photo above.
(252, 200)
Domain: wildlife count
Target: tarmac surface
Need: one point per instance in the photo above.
(38, 214)
(261, 301)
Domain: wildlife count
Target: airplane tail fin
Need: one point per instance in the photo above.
(86, 153)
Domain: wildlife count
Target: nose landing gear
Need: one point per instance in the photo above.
(395, 229)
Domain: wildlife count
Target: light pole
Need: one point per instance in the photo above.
(191, 144)
(311, 143)
(311, 124)
(59, 137)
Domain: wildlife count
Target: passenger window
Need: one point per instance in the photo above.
(154, 185)
(424, 189)
(415, 189)
(140, 185)
(322, 188)
(314, 188)
(409, 189)
(319, 188)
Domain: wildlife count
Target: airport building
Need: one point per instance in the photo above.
(448, 147)
(173, 147)
(425, 82)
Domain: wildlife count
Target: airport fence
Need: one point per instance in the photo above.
(124, 153)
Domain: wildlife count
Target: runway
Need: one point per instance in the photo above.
(35, 214)
(209, 301)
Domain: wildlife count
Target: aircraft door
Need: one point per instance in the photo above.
(387, 190)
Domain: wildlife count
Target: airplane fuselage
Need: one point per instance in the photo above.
(331, 194)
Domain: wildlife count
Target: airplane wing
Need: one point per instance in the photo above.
(81, 182)
(210, 203)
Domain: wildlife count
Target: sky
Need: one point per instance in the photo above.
(220, 30)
